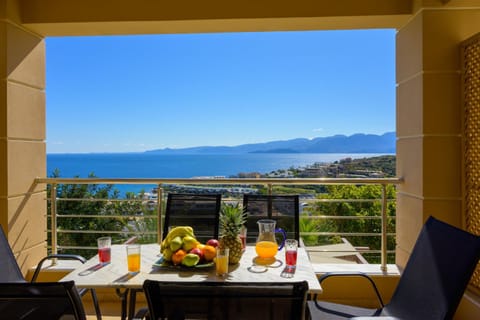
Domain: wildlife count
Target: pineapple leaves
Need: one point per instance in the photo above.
(232, 218)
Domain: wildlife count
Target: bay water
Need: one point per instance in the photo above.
(150, 165)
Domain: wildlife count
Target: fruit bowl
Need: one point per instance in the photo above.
(162, 263)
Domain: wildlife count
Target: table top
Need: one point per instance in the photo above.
(115, 274)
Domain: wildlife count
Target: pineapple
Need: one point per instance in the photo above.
(232, 219)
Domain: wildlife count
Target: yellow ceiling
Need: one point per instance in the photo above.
(99, 17)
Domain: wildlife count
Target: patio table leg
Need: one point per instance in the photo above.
(123, 297)
(132, 303)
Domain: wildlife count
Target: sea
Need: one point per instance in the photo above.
(150, 165)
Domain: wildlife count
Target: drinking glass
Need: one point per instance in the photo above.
(243, 237)
(221, 262)
(104, 249)
(291, 246)
(133, 258)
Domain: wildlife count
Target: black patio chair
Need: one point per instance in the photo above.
(225, 300)
(284, 209)
(200, 211)
(432, 284)
(11, 273)
(40, 300)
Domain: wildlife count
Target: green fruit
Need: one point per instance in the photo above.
(176, 244)
(190, 260)
(189, 243)
(167, 254)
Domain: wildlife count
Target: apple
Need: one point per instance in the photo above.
(213, 243)
(198, 252)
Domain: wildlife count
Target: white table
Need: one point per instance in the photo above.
(115, 274)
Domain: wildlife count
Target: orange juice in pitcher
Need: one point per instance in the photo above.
(266, 249)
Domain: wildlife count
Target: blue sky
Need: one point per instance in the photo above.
(136, 93)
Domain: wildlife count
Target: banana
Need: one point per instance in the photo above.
(176, 232)
(163, 245)
(179, 232)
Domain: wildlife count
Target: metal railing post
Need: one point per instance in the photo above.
(159, 213)
(383, 265)
(53, 214)
(269, 187)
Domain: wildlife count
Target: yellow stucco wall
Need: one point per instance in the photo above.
(22, 137)
(429, 133)
(429, 145)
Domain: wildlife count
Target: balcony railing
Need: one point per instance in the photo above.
(268, 185)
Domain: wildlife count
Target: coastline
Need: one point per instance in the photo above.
(141, 165)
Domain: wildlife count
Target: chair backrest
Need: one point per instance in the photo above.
(9, 269)
(40, 300)
(284, 209)
(437, 273)
(225, 300)
(201, 211)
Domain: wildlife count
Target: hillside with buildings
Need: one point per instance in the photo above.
(374, 167)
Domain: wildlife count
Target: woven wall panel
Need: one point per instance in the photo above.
(471, 127)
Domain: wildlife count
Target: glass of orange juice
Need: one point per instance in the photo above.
(133, 258)
(221, 262)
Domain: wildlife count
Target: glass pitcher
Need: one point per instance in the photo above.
(266, 246)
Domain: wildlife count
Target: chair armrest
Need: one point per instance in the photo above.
(141, 314)
(301, 243)
(55, 256)
(131, 240)
(350, 274)
(375, 318)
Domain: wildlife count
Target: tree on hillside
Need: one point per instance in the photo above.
(98, 206)
(364, 210)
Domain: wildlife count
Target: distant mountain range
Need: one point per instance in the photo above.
(357, 143)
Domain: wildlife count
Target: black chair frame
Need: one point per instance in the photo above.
(271, 202)
(431, 285)
(40, 300)
(13, 274)
(194, 211)
(225, 300)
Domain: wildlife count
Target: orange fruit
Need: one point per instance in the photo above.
(209, 252)
(177, 257)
